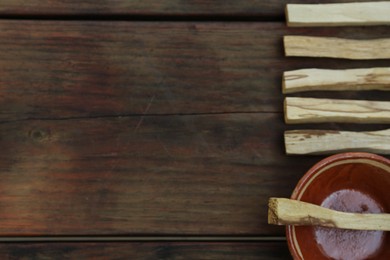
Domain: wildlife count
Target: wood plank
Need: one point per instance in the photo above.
(155, 175)
(327, 79)
(319, 110)
(51, 69)
(109, 157)
(153, 250)
(340, 14)
(329, 142)
(331, 47)
(251, 8)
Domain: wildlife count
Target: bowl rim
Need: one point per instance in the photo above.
(314, 171)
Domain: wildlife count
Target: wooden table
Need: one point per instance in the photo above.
(149, 129)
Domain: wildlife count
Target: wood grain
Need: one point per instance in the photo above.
(152, 250)
(327, 79)
(331, 47)
(145, 128)
(129, 128)
(330, 141)
(260, 8)
(319, 110)
(340, 14)
(156, 175)
(52, 69)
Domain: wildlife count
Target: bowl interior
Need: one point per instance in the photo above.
(354, 182)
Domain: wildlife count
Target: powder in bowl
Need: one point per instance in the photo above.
(349, 244)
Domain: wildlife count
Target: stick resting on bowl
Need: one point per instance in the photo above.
(293, 212)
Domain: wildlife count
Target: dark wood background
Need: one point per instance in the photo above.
(149, 129)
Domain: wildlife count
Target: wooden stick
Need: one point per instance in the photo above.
(323, 79)
(307, 46)
(342, 14)
(329, 142)
(293, 212)
(321, 110)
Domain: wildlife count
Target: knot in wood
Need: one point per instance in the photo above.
(39, 135)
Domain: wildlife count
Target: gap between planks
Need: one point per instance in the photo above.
(141, 239)
(118, 17)
(133, 115)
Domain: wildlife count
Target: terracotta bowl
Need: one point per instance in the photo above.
(351, 182)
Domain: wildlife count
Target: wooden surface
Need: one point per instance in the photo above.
(100, 68)
(121, 128)
(260, 8)
(204, 174)
(151, 250)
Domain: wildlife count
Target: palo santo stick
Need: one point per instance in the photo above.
(329, 142)
(320, 110)
(307, 46)
(342, 14)
(293, 212)
(323, 79)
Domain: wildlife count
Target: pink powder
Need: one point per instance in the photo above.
(349, 244)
